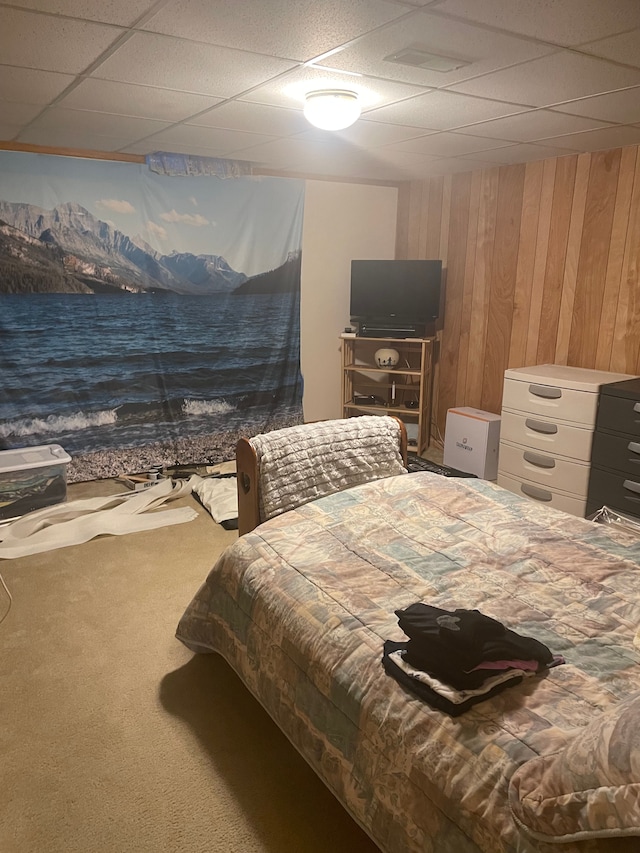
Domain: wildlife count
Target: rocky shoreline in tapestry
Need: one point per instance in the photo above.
(200, 450)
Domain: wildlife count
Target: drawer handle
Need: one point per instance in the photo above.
(533, 492)
(636, 407)
(538, 460)
(541, 426)
(633, 446)
(631, 486)
(545, 391)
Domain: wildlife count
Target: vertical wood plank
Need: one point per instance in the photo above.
(526, 259)
(572, 258)
(435, 216)
(481, 285)
(592, 269)
(540, 260)
(624, 353)
(467, 293)
(457, 192)
(424, 222)
(615, 258)
(415, 204)
(505, 262)
(554, 272)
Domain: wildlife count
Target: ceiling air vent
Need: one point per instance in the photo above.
(417, 57)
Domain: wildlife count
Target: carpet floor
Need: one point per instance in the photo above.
(114, 738)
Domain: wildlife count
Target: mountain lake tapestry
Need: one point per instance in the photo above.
(145, 319)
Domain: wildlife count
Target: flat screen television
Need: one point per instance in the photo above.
(395, 295)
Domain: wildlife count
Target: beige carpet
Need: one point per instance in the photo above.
(114, 738)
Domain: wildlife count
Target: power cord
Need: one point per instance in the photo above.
(6, 589)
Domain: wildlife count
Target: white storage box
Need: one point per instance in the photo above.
(32, 478)
(471, 441)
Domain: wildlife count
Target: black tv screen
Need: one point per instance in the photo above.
(395, 291)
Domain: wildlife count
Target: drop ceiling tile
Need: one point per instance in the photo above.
(126, 99)
(533, 125)
(122, 12)
(67, 138)
(449, 144)
(483, 49)
(254, 118)
(9, 131)
(552, 79)
(442, 110)
(414, 3)
(30, 40)
(300, 31)
(567, 22)
(623, 48)
(154, 60)
(598, 140)
(19, 114)
(220, 140)
(288, 153)
(290, 89)
(523, 153)
(31, 87)
(622, 106)
(58, 119)
(365, 134)
(453, 165)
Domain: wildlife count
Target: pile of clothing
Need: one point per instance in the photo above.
(457, 658)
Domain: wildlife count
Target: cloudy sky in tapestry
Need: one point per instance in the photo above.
(145, 319)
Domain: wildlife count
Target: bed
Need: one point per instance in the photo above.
(301, 606)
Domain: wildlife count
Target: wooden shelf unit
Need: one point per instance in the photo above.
(411, 381)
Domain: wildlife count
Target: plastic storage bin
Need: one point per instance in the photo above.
(32, 478)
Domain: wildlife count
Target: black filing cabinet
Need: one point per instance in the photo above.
(614, 479)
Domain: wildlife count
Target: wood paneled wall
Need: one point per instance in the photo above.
(541, 266)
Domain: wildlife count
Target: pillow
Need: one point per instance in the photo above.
(301, 463)
(590, 788)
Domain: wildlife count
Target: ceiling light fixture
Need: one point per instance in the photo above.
(332, 109)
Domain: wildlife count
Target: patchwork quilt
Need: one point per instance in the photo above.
(302, 606)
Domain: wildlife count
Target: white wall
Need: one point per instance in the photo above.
(341, 222)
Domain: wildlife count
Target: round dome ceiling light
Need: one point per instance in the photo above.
(332, 109)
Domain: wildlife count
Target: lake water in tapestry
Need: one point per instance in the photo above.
(128, 351)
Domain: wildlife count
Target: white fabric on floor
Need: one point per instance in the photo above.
(219, 495)
(79, 521)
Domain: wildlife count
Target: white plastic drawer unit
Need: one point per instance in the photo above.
(541, 494)
(555, 438)
(551, 471)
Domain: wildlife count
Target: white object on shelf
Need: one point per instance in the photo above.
(471, 441)
(387, 357)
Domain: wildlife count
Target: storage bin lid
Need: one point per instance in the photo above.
(24, 458)
(563, 376)
(470, 412)
(630, 389)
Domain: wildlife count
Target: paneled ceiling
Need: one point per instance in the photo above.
(227, 78)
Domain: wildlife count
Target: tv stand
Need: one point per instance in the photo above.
(404, 391)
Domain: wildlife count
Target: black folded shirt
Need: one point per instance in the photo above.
(448, 644)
